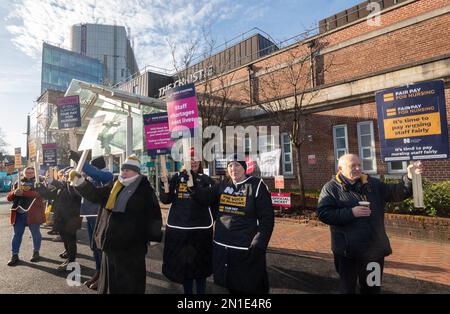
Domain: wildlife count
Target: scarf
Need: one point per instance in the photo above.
(118, 202)
(360, 186)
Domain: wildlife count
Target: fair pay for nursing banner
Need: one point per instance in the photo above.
(412, 122)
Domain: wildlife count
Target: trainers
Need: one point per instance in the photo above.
(64, 255)
(57, 239)
(35, 257)
(94, 285)
(63, 266)
(14, 260)
(53, 232)
(93, 279)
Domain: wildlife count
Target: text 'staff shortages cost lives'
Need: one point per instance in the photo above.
(412, 122)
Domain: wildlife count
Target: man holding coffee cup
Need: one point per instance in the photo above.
(352, 203)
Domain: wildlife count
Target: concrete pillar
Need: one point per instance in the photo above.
(129, 144)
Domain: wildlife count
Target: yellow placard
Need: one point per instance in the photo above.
(32, 149)
(410, 126)
(231, 200)
(182, 188)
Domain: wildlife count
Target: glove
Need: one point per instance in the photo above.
(256, 253)
(74, 156)
(75, 178)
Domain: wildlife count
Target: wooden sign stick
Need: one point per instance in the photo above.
(164, 172)
(417, 189)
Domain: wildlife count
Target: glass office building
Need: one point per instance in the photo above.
(109, 44)
(60, 66)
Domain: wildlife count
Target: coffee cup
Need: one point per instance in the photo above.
(365, 204)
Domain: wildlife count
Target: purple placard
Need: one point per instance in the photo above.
(49, 154)
(69, 113)
(182, 109)
(157, 135)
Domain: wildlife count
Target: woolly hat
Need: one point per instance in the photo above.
(99, 162)
(132, 163)
(239, 159)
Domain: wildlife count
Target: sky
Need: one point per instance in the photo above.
(25, 24)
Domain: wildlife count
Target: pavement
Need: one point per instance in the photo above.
(299, 261)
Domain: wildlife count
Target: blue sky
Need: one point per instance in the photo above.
(25, 24)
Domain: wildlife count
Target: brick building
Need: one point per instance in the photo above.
(340, 69)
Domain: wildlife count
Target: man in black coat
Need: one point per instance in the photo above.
(358, 237)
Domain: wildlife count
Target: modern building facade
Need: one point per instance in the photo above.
(60, 66)
(154, 83)
(110, 45)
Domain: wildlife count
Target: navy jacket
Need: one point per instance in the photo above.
(359, 237)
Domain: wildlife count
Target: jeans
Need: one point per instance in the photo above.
(97, 253)
(19, 229)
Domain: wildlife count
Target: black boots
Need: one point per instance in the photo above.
(35, 257)
(14, 260)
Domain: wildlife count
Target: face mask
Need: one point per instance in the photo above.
(127, 181)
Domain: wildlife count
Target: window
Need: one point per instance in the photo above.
(397, 166)
(266, 143)
(286, 154)
(366, 145)
(340, 139)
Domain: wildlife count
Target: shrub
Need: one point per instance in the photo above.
(436, 197)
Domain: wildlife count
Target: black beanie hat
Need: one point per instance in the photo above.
(99, 162)
(239, 159)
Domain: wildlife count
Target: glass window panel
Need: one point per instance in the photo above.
(340, 143)
(366, 140)
(397, 165)
(368, 164)
(366, 153)
(288, 167)
(340, 132)
(340, 152)
(364, 128)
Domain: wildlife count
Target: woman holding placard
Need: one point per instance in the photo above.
(188, 238)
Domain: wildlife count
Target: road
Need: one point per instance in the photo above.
(290, 270)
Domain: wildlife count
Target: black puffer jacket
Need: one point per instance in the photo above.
(359, 237)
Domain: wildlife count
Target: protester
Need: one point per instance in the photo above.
(66, 204)
(98, 175)
(28, 209)
(243, 229)
(189, 231)
(358, 235)
(128, 219)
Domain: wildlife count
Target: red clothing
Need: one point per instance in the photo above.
(36, 214)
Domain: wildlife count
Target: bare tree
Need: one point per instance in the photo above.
(285, 91)
(214, 94)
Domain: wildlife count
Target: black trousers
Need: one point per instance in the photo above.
(70, 244)
(352, 270)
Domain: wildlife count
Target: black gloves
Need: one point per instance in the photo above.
(256, 253)
(74, 156)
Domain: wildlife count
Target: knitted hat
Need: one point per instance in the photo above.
(99, 162)
(239, 159)
(132, 163)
